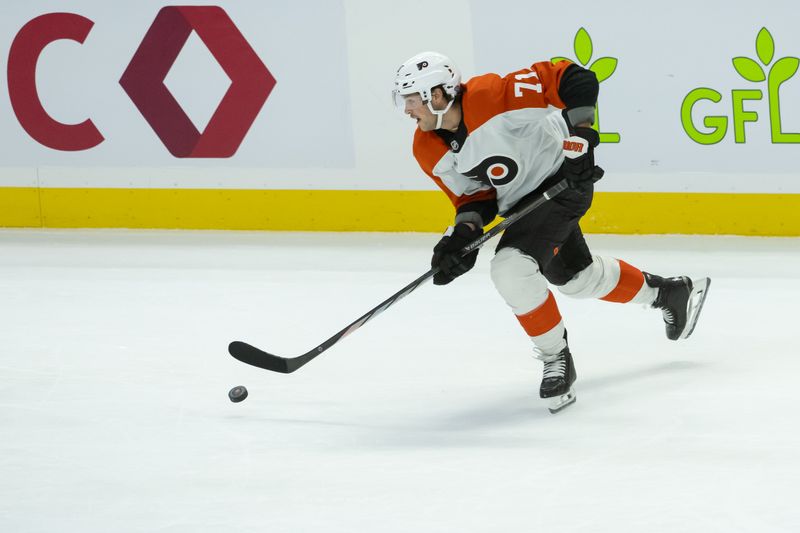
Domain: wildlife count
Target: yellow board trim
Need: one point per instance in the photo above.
(695, 213)
(426, 211)
(19, 207)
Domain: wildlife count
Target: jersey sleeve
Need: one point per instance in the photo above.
(490, 94)
(536, 86)
(563, 85)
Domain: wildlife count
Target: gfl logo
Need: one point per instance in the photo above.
(143, 81)
(776, 74)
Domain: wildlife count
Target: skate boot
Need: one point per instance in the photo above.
(680, 300)
(557, 379)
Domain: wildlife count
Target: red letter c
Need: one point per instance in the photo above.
(22, 59)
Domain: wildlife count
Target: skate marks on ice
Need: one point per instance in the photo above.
(628, 377)
(501, 414)
(476, 417)
(524, 408)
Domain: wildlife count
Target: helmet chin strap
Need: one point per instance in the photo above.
(440, 112)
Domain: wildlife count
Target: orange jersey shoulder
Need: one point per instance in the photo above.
(429, 149)
(490, 95)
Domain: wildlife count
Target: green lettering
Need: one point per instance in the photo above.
(718, 124)
(605, 137)
(782, 70)
(740, 116)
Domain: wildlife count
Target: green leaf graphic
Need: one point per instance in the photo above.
(556, 59)
(583, 46)
(748, 69)
(604, 67)
(784, 68)
(765, 46)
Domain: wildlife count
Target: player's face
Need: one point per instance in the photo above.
(415, 108)
(426, 119)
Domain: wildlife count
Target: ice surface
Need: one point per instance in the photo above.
(114, 375)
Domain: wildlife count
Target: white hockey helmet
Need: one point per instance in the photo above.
(421, 74)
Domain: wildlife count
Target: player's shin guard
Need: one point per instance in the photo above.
(546, 329)
(611, 280)
(524, 289)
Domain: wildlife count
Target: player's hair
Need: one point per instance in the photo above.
(447, 97)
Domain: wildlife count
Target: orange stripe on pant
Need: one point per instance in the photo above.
(542, 319)
(629, 284)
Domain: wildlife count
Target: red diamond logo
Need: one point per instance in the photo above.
(251, 81)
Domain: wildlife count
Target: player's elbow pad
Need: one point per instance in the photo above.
(578, 90)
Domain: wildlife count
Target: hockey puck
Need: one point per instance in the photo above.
(237, 394)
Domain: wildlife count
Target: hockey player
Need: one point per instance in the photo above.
(491, 143)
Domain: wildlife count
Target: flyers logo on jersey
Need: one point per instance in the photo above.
(495, 171)
(575, 146)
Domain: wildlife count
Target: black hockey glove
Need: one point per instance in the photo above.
(446, 254)
(578, 167)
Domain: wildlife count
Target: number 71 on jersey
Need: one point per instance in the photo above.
(519, 86)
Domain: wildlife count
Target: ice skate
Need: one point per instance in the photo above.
(680, 300)
(557, 379)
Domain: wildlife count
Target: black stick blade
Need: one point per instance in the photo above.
(253, 356)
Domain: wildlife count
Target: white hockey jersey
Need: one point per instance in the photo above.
(515, 133)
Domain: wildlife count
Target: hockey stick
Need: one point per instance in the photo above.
(251, 355)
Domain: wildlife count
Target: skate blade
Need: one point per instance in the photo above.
(696, 300)
(558, 403)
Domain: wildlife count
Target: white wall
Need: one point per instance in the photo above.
(329, 123)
